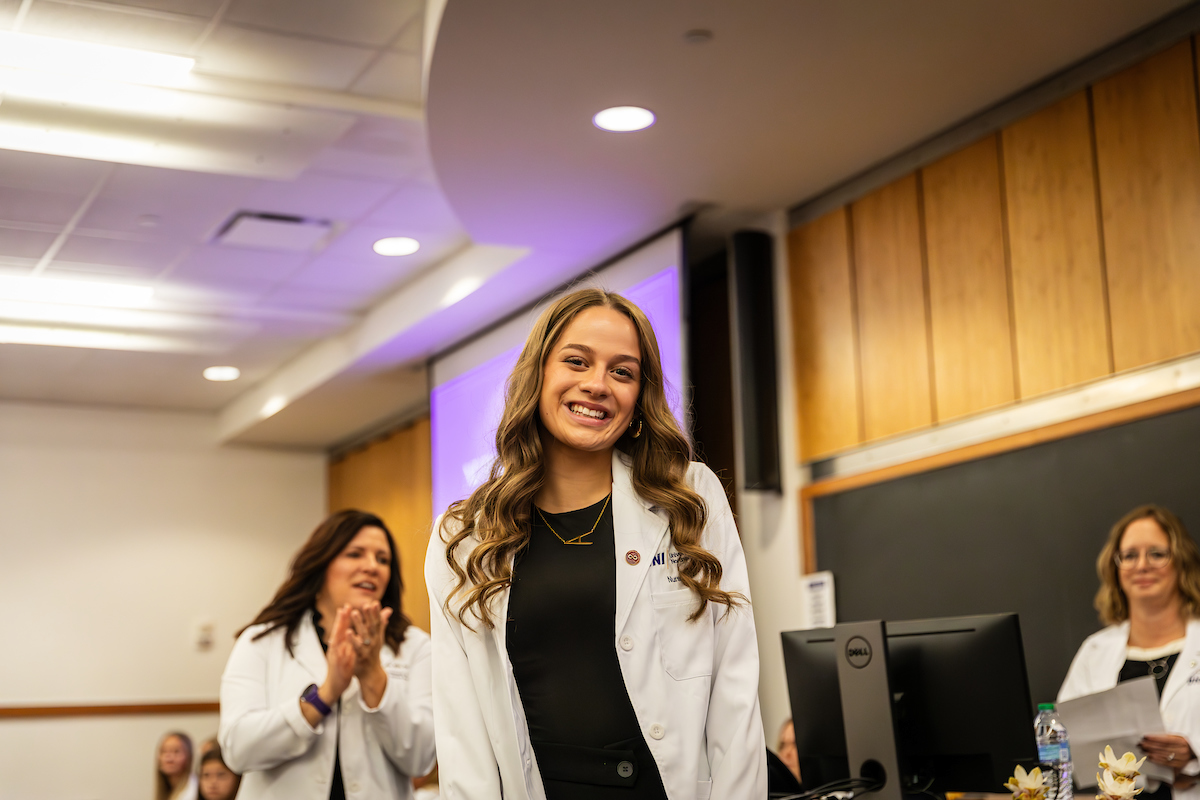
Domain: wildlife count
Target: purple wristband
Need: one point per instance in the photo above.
(313, 698)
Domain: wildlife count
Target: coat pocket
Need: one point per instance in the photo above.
(687, 647)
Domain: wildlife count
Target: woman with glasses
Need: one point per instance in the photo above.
(1150, 599)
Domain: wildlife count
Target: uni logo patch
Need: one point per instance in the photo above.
(659, 560)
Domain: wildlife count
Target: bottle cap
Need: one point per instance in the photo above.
(1045, 706)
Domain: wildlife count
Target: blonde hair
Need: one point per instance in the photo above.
(497, 513)
(162, 784)
(1111, 601)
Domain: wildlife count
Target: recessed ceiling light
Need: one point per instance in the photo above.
(623, 118)
(222, 374)
(85, 293)
(397, 246)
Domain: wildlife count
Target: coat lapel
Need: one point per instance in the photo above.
(636, 529)
(308, 650)
(1185, 665)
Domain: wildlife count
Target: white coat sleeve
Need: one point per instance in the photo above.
(467, 768)
(403, 720)
(253, 735)
(1078, 681)
(734, 731)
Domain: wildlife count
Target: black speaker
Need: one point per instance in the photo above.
(752, 254)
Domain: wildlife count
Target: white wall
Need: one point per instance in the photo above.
(119, 532)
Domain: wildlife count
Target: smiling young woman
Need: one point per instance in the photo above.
(1150, 599)
(328, 689)
(625, 662)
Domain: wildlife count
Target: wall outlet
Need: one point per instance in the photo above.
(204, 635)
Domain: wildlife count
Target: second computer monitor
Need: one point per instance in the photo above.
(960, 703)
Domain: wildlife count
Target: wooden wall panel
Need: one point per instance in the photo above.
(893, 335)
(1059, 304)
(968, 282)
(393, 478)
(823, 333)
(1148, 152)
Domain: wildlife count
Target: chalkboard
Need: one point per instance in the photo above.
(1019, 531)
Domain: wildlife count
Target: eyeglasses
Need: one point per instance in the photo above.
(1155, 558)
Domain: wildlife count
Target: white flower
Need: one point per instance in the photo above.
(1114, 788)
(1027, 786)
(1124, 768)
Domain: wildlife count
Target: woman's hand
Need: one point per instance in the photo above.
(367, 628)
(340, 658)
(1168, 750)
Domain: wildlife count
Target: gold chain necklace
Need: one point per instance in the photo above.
(577, 539)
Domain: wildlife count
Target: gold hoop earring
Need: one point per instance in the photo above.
(638, 432)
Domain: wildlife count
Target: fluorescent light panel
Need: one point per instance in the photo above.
(85, 293)
(66, 57)
(94, 340)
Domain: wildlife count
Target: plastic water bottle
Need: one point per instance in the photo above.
(1054, 753)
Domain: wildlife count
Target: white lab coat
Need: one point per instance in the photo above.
(693, 686)
(264, 735)
(1098, 664)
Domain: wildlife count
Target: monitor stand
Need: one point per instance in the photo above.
(867, 705)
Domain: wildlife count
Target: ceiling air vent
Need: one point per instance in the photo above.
(274, 231)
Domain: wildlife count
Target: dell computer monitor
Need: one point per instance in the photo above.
(960, 707)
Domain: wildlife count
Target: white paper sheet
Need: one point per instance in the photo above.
(1118, 717)
(817, 609)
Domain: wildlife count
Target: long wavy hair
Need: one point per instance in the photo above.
(162, 784)
(298, 594)
(1111, 601)
(497, 514)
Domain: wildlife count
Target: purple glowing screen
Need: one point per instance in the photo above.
(465, 411)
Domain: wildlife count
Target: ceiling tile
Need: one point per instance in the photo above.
(24, 244)
(116, 27)
(318, 196)
(150, 256)
(191, 8)
(20, 170)
(396, 76)
(412, 38)
(32, 205)
(185, 205)
(214, 262)
(416, 206)
(71, 270)
(377, 148)
(222, 290)
(8, 12)
(369, 22)
(256, 55)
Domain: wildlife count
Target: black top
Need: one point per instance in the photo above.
(561, 630)
(1160, 668)
(337, 791)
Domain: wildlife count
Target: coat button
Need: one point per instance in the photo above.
(633, 557)
(354, 787)
(625, 769)
(656, 731)
(626, 642)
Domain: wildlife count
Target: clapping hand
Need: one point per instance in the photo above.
(368, 626)
(341, 657)
(367, 629)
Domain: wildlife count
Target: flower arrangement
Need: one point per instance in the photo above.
(1117, 780)
(1027, 785)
